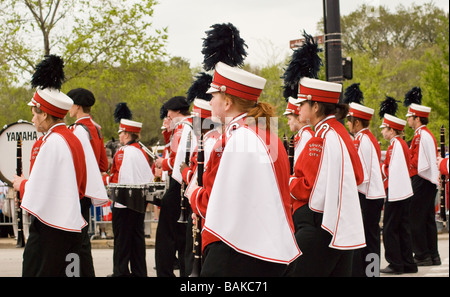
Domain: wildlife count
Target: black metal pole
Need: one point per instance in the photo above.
(333, 41)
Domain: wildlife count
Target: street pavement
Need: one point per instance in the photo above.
(102, 253)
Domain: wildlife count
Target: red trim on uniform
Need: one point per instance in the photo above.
(235, 88)
(48, 107)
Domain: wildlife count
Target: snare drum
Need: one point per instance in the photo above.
(135, 196)
(8, 148)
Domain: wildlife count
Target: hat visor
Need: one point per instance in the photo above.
(212, 90)
(383, 126)
(409, 114)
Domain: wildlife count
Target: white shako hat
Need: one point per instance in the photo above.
(393, 122)
(292, 107)
(237, 82)
(129, 126)
(360, 111)
(418, 110)
(318, 90)
(47, 79)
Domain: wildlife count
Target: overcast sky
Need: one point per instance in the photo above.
(265, 25)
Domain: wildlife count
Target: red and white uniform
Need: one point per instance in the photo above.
(301, 138)
(178, 148)
(395, 170)
(57, 180)
(95, 188)
(246, 171)
(209, 140)
(328, 183)
(370, 154)
(423, 152)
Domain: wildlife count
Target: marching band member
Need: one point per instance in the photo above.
(326, 210)
(425, 181)
(171, 235)
(57, 178)
(88, 132)
(397, 182)
(203, 125)
(131, 166)
(246, 176)
(303, 132)
(371, 191)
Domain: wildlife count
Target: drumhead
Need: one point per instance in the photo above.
(8, 148)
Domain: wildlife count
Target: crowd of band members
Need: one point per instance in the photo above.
(259, 216)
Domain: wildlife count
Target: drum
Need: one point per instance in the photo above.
(135, 196)
(8, 148)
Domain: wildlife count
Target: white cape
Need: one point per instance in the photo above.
(245, 208)
(181, 150)
(335, 195)
(51, 192)
(373, 186)
(399, 183)
(427, 166)
(95, 189)
(135, 169)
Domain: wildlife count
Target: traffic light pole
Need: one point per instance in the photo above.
(333, 41)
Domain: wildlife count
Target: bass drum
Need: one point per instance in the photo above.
(8, 148)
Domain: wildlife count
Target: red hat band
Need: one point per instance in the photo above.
(235, 88)
(292, 108)
(48, 107)
(203, 113)
(128, 128)
(359, 114)
(318, 95)
(393, 125)
(418, 113)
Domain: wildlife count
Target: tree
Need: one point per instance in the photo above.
(82, 32)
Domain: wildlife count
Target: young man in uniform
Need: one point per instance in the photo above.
(425, 180)
(171, 235)
(397, 182)
(57, 179)
(88, 132)
(131, 166)
(371, 191)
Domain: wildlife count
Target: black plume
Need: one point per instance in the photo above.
(122, 112)
(413, 96)
(353, 94)
(163, 112)
(49, 73)
(199, 87)
(223, 44)
(305, 62)
(389, 106)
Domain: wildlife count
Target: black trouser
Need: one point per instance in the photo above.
(397, 236)
(220, 260)
(371, 214)
(86, 261)
(423, 218)
(129, 243)
(170, 235)
(318, 259)
(46, 250)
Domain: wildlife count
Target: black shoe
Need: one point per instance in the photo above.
(410, 269)
(436, 260)
(423, 262)
(390, 270)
